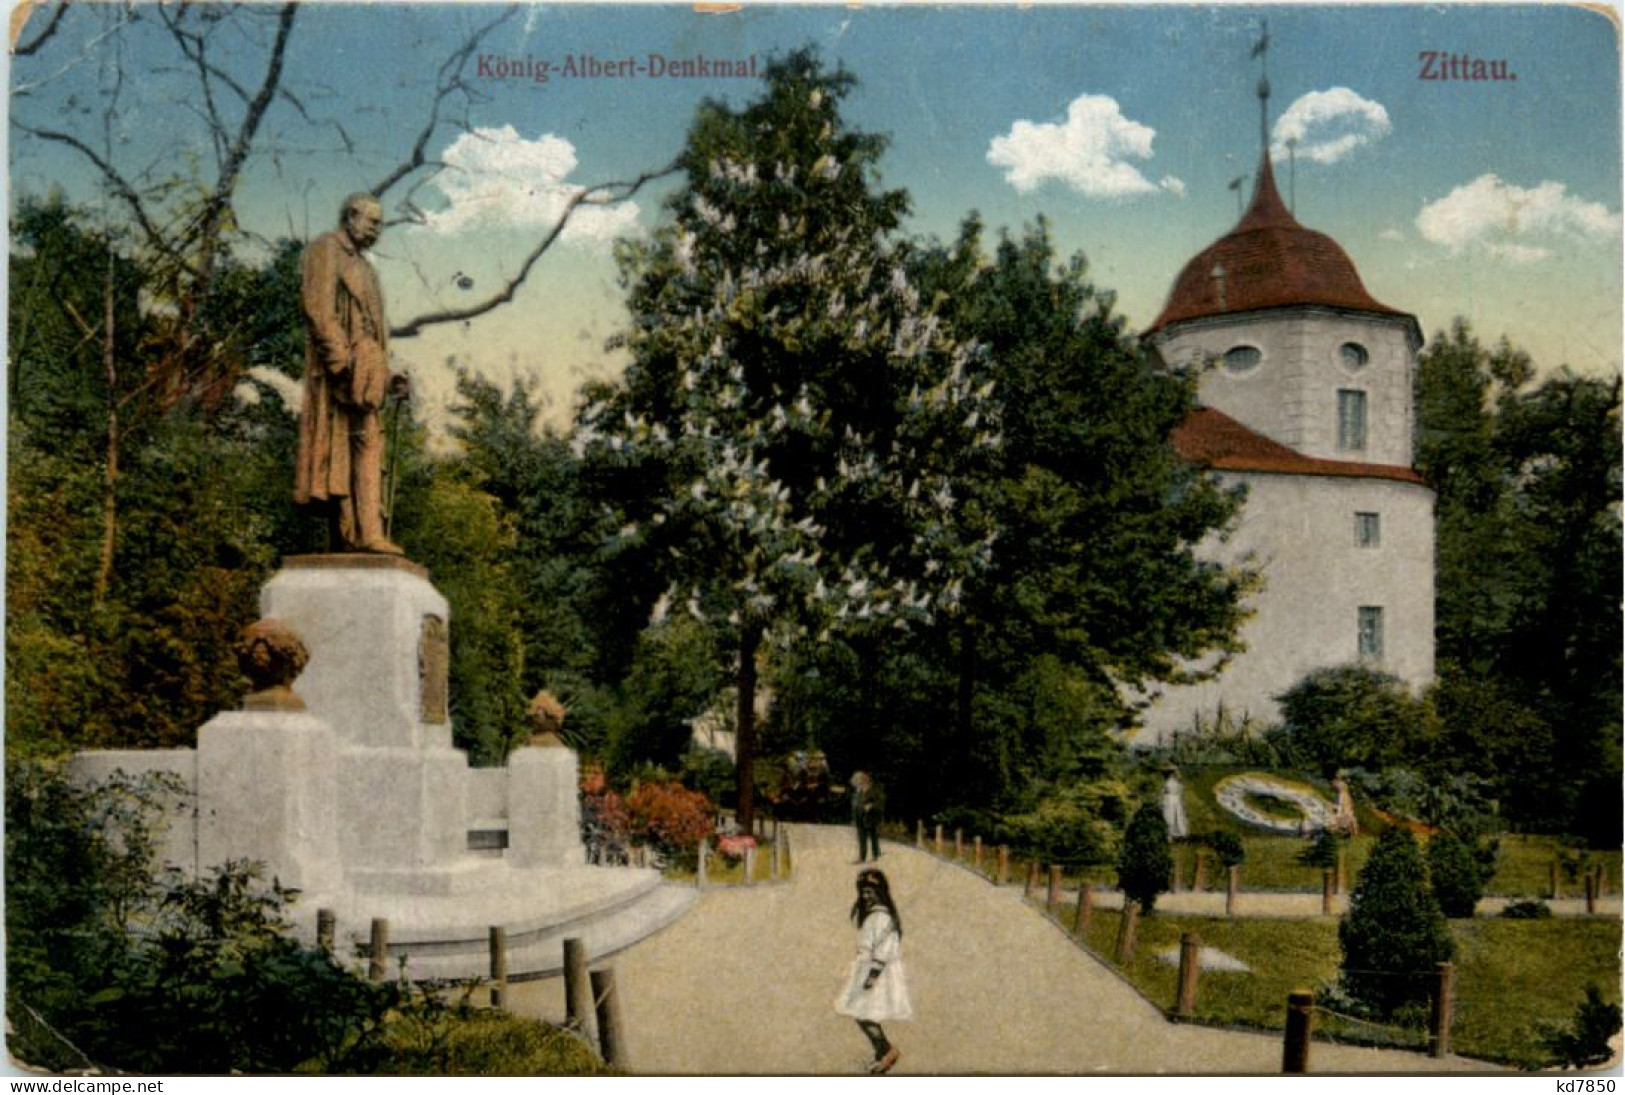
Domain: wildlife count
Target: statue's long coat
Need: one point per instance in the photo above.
(346, 368)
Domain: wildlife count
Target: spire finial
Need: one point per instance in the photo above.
(1261, 50)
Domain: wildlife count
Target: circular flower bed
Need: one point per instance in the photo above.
(1314, 812)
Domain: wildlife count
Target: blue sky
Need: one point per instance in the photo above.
(1497, 200)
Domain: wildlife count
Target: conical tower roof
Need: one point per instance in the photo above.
(1268, 260)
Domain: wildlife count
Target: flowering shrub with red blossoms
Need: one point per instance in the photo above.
(606, 823)
(670, 816)
(735, 845)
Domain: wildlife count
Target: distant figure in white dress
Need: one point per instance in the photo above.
(1173, 806)
(876, 989)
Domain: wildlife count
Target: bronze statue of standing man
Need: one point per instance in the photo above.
(341, 441)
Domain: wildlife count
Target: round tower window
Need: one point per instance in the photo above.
(1355, 356)
(1242, 359)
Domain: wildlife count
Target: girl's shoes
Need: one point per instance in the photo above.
(884, 1064)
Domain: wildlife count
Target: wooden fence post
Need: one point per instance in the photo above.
(976, 852)
(750, 865)
(959, 845)
(1086, 908)
(607, 1003)
(578, 991)
(1232, 887)
(1032, 878)
(1300, 1025)
(1591, 893)
(1327, 876)
(1176, 877)
(499, 964)
(1004, 864)
(378, 950)
(1444, 1009)
(1190, 966)
(1127, 931)
(919, 835)
(939, 839)
(1199, 872)
(326, 929)
(778, 851)
(699, 873)
(1052, 896)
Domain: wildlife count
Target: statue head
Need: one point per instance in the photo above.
(271, 656)
(362, 219)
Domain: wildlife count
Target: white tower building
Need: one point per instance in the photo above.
(1307, 401)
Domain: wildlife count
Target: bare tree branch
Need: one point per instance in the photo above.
(448, 80)
(28, 49)
(606, 194)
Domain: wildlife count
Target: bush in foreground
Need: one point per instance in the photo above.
(1394, 934)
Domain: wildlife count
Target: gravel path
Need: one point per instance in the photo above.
(744, 984)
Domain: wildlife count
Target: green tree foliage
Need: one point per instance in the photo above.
(1456, 874)
(1352, 717)
(1529, 642)
(1394, 933)
(1079, 824)
(1145, 864)
(1584, 1044)
(785, 443)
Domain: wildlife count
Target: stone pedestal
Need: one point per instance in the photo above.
(544, 813)
(402, 809)
(266, 791)
(379, 648)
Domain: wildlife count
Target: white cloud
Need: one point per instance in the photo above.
(1512, 223)
(1090, 152)
(1391, 234)
(496, 179)
(1328, 125)
(1174, 186)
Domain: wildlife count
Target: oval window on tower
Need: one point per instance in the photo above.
(1242, 359)
(1355, 356)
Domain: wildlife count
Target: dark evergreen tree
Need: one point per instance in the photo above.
(1394, 935)
(1455, 873)
(1146, 863)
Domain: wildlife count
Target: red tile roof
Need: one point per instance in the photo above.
(1215, 440)
(1268, 260)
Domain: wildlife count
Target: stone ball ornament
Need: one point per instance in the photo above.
(271, 655)
(1314, 812)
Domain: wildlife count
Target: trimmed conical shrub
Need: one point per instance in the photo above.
(1145, 863)
(1394, 934)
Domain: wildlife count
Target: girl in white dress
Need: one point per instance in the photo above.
(876, 989)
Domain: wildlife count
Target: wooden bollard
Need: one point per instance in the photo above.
(1004, 864)
(326, 929)
(750, 865)
(1300, 1026)
(699, 870)
(499, 964)
(976, 852)
(774, 866)
(1551, 887)
(1052, 897)
(1086, 908)
(959, 845)
(1602, 879)
(919, 835)
(607, 1004)
(1199, 872)
(1032, 878)
(378, 951)
(1327, 886)
(1444, 1009)
(1232, 887)
(1591, 894)
(939, 840)
(1190, 966)
(578, 991)
(1128, 930)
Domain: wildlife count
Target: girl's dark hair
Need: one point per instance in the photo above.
(883, 898)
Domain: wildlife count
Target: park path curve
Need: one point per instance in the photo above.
(744, 984)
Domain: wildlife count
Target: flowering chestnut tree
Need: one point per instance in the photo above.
(786, 441)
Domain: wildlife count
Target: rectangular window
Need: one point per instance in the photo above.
(1350, 420)
(1367, 530)
(1370, 631)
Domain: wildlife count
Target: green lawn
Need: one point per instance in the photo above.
(1512, 976)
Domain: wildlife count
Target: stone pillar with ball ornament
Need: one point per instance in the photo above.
(544, 812)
